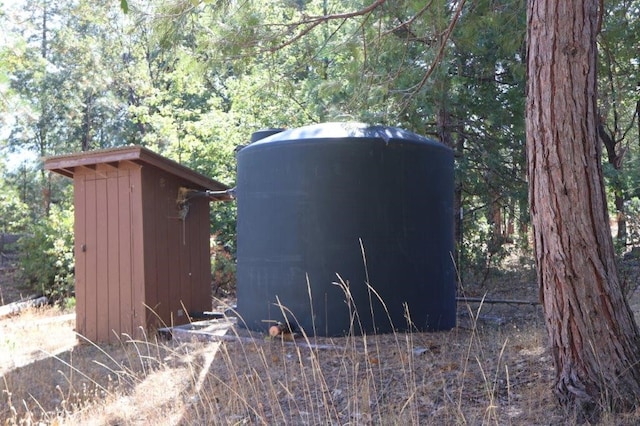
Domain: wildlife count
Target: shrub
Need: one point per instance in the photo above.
(632, 210)
(46, 255)
(223, 269)
(14, 214)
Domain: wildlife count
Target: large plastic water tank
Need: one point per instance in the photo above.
(346, 227)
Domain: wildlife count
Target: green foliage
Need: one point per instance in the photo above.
(64, 76)
(14, 214)
(47, 258)
(281, 65)
(618, 107)
(633, 221)
(223, 269)
(193, 79)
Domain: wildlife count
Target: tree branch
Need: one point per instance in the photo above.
(405, 27)
(313, 21)
(438, 58)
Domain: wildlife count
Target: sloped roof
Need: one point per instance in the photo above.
(67, 164)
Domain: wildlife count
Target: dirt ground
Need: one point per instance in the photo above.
(10, 287)
(493, 368)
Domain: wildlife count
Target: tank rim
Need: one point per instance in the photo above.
(348, 131)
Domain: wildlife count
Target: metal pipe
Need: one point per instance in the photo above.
(230, 193)
(186, 194)
(492, 301)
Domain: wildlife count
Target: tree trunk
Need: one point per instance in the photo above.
(445, 134)
(495, 219)
(615, 159)
(592, 331)
(621, 218)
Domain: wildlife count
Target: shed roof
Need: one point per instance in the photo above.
(67, 164)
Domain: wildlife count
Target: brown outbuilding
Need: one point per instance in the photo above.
(141, 241)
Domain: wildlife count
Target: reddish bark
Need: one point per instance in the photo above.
(592, 331)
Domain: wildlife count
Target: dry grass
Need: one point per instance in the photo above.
(35, 334)
(483, 372)
(475, 375)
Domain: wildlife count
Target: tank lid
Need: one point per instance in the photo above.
(264, 133)
(344, 130)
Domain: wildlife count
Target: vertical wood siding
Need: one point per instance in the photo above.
(125, 231)
(80, 232)
(178, 280)
(139, 265)
(105, 255)
(138, 246)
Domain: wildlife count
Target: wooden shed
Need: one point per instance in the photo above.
(141, 244)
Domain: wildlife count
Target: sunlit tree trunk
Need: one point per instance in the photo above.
(43, 122)
(592, 332)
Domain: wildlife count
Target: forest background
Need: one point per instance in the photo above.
(192, 80)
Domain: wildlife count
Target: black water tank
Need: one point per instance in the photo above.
(311, 200)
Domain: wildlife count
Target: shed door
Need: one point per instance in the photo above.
(104, 253)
